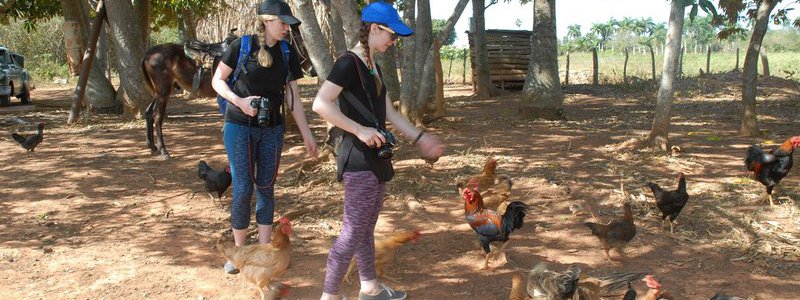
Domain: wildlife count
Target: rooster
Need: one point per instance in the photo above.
(261, 263)
(215, 181)
(30, 142)
(489, 225)
(670, 203)
(385, 250)
(654, 292)
(770, 167)
(553, 285)
(617, 233)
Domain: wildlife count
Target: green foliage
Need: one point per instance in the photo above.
(165, 35)
(438, 27)
(30, 12)
(452, 52)
(43, 47)
(168, 13)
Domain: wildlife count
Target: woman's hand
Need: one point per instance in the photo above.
(430, 147)
(244, 105)
(311, 147)
(370, 136)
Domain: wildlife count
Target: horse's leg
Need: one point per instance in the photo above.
(148, 114)
(161, 112)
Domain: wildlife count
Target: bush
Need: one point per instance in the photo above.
(43, 48)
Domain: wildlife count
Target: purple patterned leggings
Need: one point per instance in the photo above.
(363, 197)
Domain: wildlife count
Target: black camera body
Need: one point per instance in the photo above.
(264, 111)
(385, 151)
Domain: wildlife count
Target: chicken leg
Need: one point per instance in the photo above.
(770, 200)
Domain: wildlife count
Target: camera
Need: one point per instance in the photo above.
(385, 151)
(263, 107)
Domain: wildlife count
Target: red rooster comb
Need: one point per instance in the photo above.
(286, 225)
(795, 140)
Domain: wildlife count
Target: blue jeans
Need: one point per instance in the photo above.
(254, 153)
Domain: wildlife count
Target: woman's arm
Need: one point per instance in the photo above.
(218, 82)
(325, 106)
(430, 146)
(299, 114)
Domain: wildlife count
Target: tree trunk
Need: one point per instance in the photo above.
(331, 25)
(388, 63)
(566, 73)
(313, 39)
(423, 38)
(427, 77)
(680, 61)
(708, 61)
(484, 81)
(188, 25)
(659, 135)
(737, 59)
(764, 62)
(749, 126)
(99, 93)
(542, 96)
(407, 88)
(625, 68)
(352, 20)
(595, 68)
(129, 47)
(441, 110)
(464, 67)
(143, 11)
(652, 63)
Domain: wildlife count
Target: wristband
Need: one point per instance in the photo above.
(418, 137)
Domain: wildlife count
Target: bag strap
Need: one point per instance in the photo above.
(244, 53)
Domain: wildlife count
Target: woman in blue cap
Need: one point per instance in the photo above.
(253, 130)
(362, 161)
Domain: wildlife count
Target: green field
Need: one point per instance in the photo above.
(611, 64)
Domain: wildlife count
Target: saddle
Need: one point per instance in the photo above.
(204, 53)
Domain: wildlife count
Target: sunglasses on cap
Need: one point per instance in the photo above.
(395, 36)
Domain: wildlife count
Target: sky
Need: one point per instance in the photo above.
(568, 12)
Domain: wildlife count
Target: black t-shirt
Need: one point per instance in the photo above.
(256, 80)
(354, 155)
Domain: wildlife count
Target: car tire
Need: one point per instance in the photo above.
(24, 96)
(5, 100)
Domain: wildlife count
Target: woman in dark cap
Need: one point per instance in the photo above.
(362, 161)
(254, 124)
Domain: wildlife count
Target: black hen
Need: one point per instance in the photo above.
(215, 181)
(30, 142)
(670, 203)
(553, 285)
(770, 167)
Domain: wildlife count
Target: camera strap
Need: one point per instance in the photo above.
(369, 115)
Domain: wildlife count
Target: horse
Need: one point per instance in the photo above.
(167, 65)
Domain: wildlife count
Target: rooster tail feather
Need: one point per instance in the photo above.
(20, 139)
(571, 276)
(514, 216)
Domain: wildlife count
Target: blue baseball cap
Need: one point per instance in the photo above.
(385, 13)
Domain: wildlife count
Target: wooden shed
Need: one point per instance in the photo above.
(508, 52)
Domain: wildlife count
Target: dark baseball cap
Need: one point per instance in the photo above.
(278, 8)
(385, 13)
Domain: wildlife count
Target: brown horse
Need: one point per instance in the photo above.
(168, 65)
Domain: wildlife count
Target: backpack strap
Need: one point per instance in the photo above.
(244, 53)
(286, 54)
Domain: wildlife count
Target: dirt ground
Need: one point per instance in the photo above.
(92, 215)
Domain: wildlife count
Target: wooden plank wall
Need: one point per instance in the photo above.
(509, 52)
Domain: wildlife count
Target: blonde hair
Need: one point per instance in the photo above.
(264, 58)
